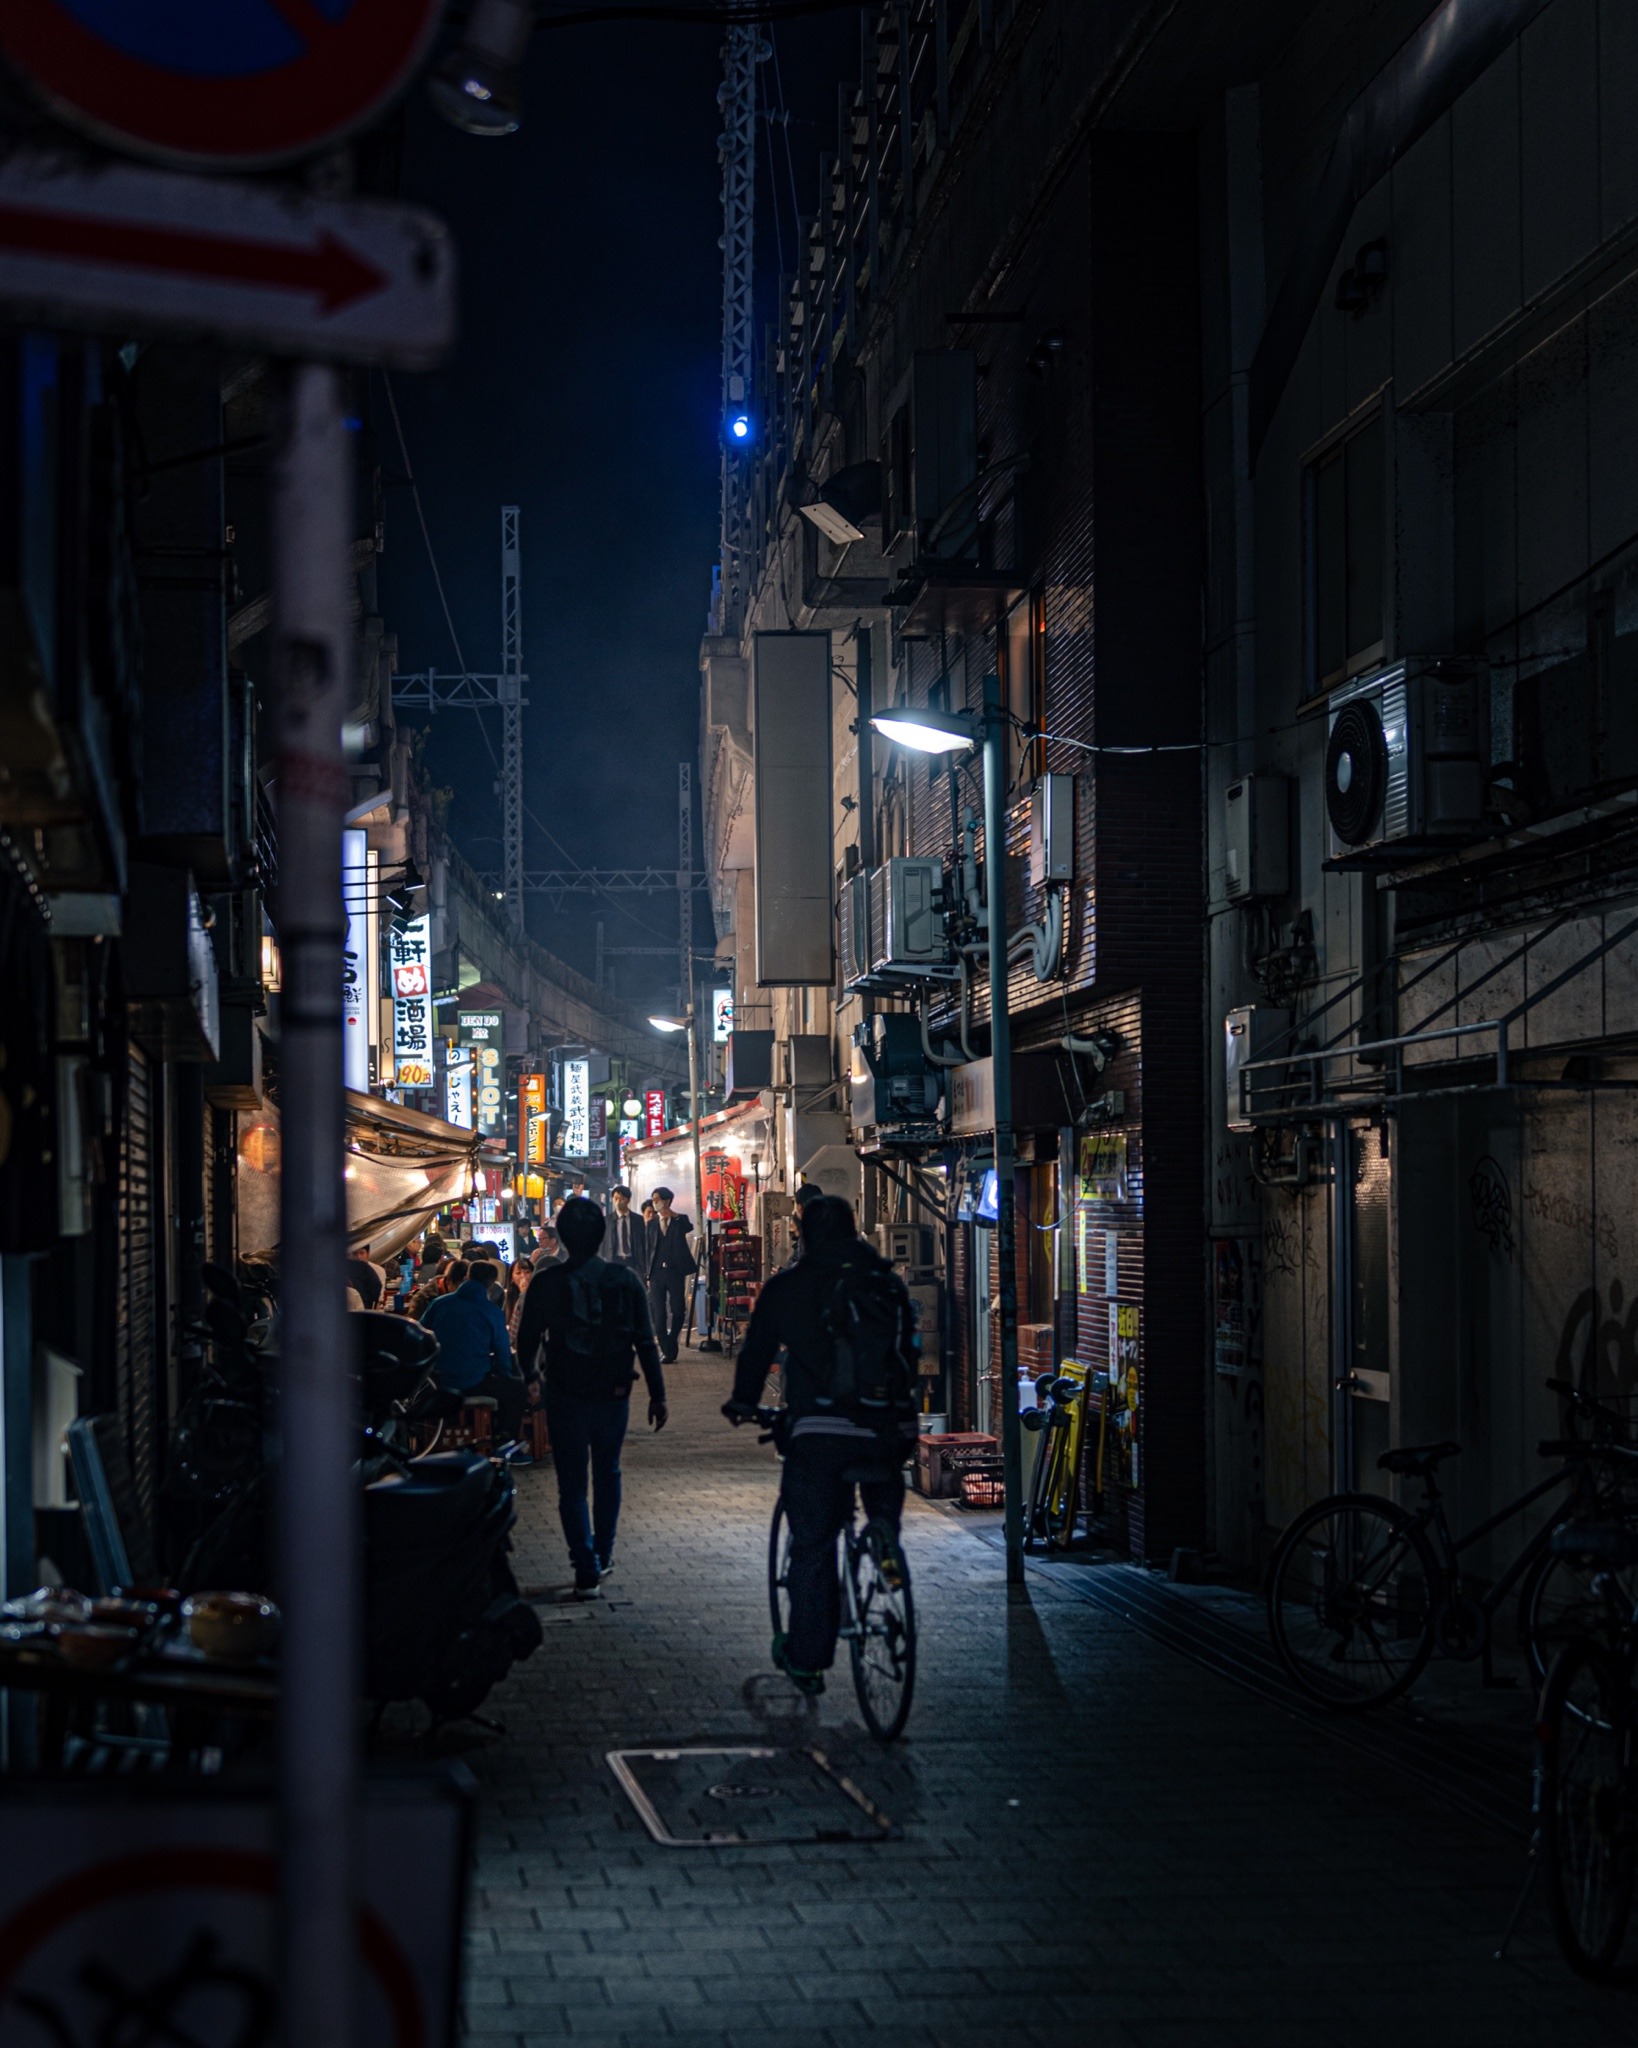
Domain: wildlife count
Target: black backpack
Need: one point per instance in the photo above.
(867, 1318)
(598, 1339)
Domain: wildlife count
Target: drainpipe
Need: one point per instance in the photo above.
(1459, 40)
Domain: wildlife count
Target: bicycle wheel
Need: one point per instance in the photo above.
(1062, 1496)
(1588, 1810)
(1351, 1594)
(779, 1573)
(882, 1630)
(1558, 1606)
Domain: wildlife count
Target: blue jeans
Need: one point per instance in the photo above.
(585, 1429)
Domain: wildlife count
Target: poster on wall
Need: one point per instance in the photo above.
(1103, 1166)
(1236, 1306)
(1125, 1392)
(409, 959)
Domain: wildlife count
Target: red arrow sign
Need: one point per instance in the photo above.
(327, 269)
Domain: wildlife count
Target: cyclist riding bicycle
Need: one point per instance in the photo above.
(844, 1318)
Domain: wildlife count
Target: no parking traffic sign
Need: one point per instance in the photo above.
(226, 83)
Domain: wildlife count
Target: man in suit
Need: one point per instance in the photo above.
(671, 1266)
(627, 1241)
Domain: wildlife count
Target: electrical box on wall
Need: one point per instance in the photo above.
(1052, 830)
(1254, 1032)
(1256, 837)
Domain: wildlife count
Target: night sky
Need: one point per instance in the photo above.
(585, 389)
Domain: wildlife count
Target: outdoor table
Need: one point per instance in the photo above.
(193, 1690)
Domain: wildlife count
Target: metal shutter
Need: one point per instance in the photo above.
(135, 1334)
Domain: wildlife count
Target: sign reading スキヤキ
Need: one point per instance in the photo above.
(654, 1113)
(409, 958)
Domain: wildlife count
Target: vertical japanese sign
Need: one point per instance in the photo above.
(533, 1123)
(722, 1015)
(355, 991)
(654, 1113)
(576, 1109)
(597, 1129)
(458, 1086)
(1125, 1388)
(483, 1031)
(409, 955)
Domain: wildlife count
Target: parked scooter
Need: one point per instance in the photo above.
(443, 1618)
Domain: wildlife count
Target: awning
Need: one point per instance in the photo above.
(402, 1167)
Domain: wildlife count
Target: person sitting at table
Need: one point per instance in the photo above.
(474, 1351)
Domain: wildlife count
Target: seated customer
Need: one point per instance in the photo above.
(474, 1352)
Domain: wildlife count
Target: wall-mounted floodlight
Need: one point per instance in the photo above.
(929, 732)
(476, 87)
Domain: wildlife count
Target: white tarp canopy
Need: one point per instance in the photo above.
(402, 1167)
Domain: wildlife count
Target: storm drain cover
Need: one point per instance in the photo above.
(716, 1798)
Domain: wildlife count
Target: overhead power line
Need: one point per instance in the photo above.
(754, 14)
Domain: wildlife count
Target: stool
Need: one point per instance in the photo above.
(534, 1433)
(477, 1423)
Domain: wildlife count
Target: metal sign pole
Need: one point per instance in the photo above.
(1006, 1237)
(318, 1506)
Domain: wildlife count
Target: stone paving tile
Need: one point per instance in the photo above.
(1100, 1841)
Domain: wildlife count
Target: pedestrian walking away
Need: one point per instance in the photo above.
(474, 1352)
(671, 1266)
(587, 1321)
(627, 1241)
(844, 1319)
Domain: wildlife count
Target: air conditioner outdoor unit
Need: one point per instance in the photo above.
(853, 931)
(907, 917)
(1406, 760)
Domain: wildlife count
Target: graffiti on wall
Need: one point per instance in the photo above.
(1548, 1205)
(1492, 1201)
(1598, 1343)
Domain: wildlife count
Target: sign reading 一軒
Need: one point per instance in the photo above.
(533, 1118)
(722, 1015)
(409, 960)
(576, 1109)
(228, 83)
(654, 1113)
(458, 1086)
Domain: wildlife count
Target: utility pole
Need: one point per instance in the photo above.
(511, 703)
(741, 53)
(319, 1539)
(685, 886)
(432, 691)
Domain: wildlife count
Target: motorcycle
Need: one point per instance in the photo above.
(443, 1619)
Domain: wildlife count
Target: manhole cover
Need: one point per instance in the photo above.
(712, 1798)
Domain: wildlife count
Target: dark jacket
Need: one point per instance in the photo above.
(635, 1254)
(471, 1333)
(548, 1313)
(790, 1312)
(668, 1253)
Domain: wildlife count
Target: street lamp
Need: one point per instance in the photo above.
(959, 732)
(686, 1023)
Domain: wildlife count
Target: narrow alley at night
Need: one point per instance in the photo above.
(818, 1023)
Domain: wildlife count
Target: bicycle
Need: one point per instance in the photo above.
(1361, 1591)
(878, 1608)
(1055, 1484)
(1586, 1780)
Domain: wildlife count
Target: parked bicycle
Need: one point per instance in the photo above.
(1055, 1484)
(1362, 1591)
(1586, 1784)
(878, 1609)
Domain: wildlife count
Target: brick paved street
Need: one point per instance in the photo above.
(1102, 1841)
